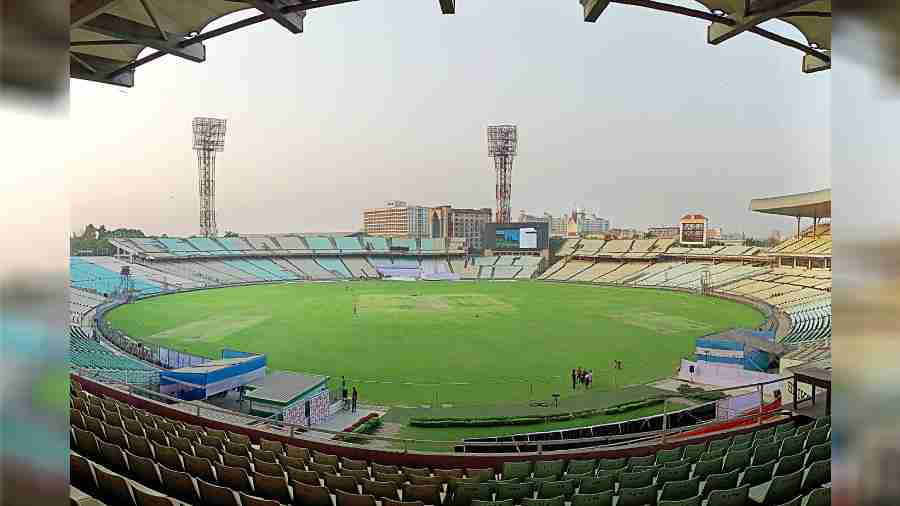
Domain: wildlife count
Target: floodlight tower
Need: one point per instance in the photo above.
(209, 137)
(502, 148)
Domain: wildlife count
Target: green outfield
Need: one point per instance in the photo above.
(454, 343)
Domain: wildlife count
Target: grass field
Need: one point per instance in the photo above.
(462, 343)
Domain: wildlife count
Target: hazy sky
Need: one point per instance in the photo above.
(634, 117)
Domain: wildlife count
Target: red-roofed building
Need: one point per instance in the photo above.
(693, 230)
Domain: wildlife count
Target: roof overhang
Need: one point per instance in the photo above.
(815, 204)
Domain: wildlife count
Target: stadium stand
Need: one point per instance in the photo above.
(292, 243)
(467, 270)
(126, 452)
(409, 244)
(312, 269)
(616, 247)
(262, 243)
(235, 244)
(87, 275)
(623, 273)
(206, 244)
(320, 244)
(360, 267)
(571, 268)
(334, 266)
(435, 265)
(530, 266)
(376, 244)
(596, 270)
(92, 356)
(406, 263)
(587, 248)
(347, 244)
(178, 246)
(568, 247)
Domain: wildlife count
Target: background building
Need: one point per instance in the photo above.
(577, 222)
(447, 221)
(664, 232)
(693, 230)
(397, 219)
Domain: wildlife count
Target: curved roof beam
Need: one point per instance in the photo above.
(718, 33)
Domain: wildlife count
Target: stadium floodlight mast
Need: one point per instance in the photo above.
(502, 141)
(209, 138)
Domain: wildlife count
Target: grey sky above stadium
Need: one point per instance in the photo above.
(634, 117)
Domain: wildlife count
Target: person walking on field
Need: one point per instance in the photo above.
(574, 377)
(353, 404)
(344, 391)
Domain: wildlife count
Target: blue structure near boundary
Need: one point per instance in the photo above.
(200, 381)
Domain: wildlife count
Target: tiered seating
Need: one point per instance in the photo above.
(153, 276)
(406, 263)
(252, 268)
(235, 244)
(663, 245)
(485, 272)
(435, 265)
(553, 268)
(262, 243)
(271, 267)
(529, 266)
(568, 270)
(86, 275)
(178, 247)
(589, 247)
(433, 245)
(322, 244)
(411, 244)
(731, 251)
(206, 244)
(292, 243)
(348, 244)
(466, 271)
(506, 271)
(809, 321)
(376, 244)
(86, 353)
(335, 266)
(616, 248)
(623, 273)
(360, 267)
(568, 247)
(641, 248)
(596, 270)
(116, 447)
(149, 244)
(312, 269)
(672, 276)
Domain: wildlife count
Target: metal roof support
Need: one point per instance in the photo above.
(137, 33)
(85, 10)
(593, 9)
(101, 70)
(812, 63)
(717, 32)
(293, 21)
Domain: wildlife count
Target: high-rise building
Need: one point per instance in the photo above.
(448, 221)
(397, 219)
(576, 222)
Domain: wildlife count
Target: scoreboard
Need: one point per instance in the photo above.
(525, 236)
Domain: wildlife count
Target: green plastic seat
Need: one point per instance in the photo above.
(819, 497)
(553, 501)
(637, 496)
(714, 454)
(731, 497)
(514, 491)
(645, 460)
(778, 491)
(466, 493)
(792, 445)
(551, 489)
(742, 439)
(719, 444)
(664, 456)
(478, 502)
(764, 433)
(705, 468)
(515, 470)
(549, 468)
(596, 499)
(816, 436)
(668, 474)
(741, 446)
(581, 466)
(612, 464)
(637, 479)
(803, 429)
(765, 453)
(597, 484)
(680, 490)
(693, 452)
(615, 473)
(754, 475)
(788, 465)
(737, 459)
(818, 474)
(721, 481)
(825, 421)
(690, 501)
(817, 453)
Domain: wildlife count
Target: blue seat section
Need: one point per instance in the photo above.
(178, 246)
(149, 244)
(335, 265)
(92, 277)
(272, 267)
(206, 244)
(251, 268)
(406, 263)
(405, 243)
(376, 243)
(319, 243)
(235, 244)
(348, 244)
